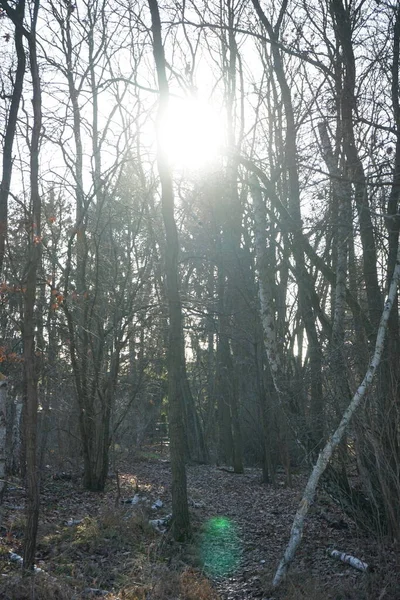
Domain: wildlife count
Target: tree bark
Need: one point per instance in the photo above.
(11, 124)
(175, 360)
(342, 197)
(32, 475)
(343, 32)
(333, 442)
(3, 404)
(305, 305)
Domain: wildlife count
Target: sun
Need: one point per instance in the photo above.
(192, 133)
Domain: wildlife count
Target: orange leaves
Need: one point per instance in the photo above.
(6, 288)
(57, 299)
(10, 357)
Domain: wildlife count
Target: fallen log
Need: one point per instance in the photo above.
(350, 560)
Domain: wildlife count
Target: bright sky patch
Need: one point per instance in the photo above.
(192, 133)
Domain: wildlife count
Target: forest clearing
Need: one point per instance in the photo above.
(100, 545)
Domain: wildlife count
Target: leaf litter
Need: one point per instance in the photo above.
(97, 544)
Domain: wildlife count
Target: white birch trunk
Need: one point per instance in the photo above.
(326, 454)
(341, 193)
(354, 562)
(264, 282)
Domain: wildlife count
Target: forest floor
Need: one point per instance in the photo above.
(102, 545)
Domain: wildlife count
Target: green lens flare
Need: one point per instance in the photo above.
(220, 547)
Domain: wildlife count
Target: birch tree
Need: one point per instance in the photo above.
(335, 439)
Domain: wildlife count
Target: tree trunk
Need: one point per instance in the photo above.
(343, 33)
(32, 475)
(3, 405)
(334, 440)
(11, 126)
(175, 360)
(302, 277)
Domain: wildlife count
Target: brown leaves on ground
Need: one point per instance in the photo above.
(241, 529)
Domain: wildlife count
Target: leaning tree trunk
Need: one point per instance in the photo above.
(175, 361)
(335, 439)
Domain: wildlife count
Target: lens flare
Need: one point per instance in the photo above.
(220, 547)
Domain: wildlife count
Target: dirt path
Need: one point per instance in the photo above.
(241, 528)
(261, 517)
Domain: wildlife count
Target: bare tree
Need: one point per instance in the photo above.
(31, 276)
(176, 358)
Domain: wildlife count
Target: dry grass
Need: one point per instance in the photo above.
(38, 587)
(188, 584)
(116, 551)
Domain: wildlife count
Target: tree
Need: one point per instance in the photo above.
(176, 358)
(327, 452)
(31, 406)
(104, 266)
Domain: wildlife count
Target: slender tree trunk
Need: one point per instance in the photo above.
(335, 439)
(175, 361)
(393, 221)
(7, 164)
(341, 192)
(343, 33)
(302, 278)
(3, 405)
(11, 125)
(32, 475)
(230, 317)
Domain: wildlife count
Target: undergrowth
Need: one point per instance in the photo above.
(115, 554)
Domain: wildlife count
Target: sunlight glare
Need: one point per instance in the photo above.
(192, 133)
